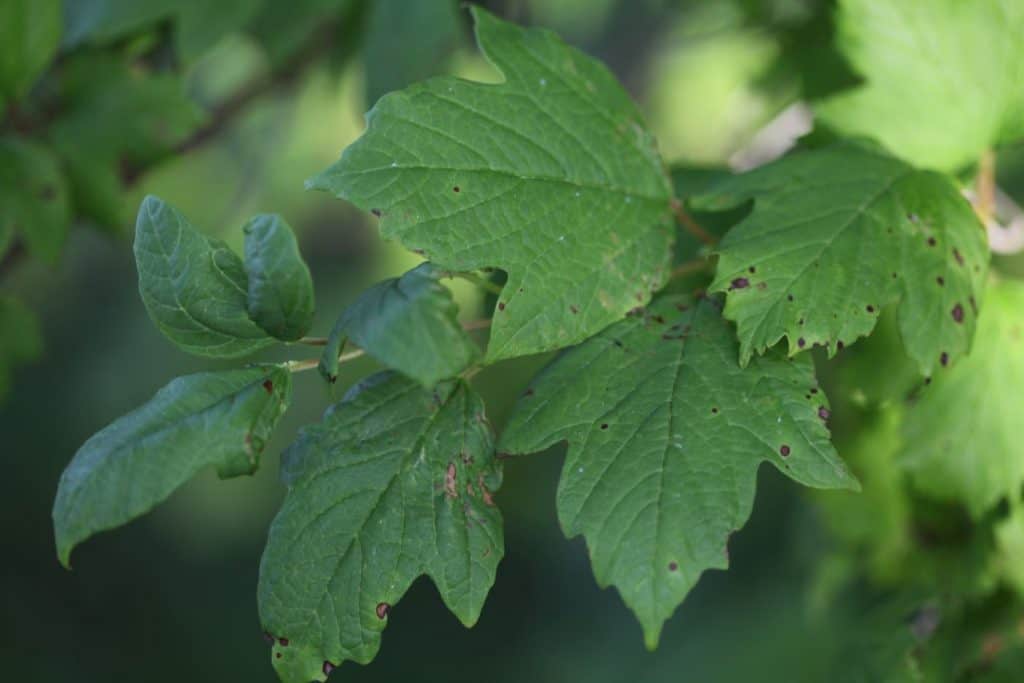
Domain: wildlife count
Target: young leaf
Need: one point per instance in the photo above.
(409, 324)
(33, 197)
(193, 286)
(29, 36)
(963, 434)
(549, 175)
(666, 433)
(835, 235)
(280, 286)
(395, 482)
(944, 78)
(127, 468)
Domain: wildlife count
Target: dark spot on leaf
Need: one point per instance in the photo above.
(958, 313)
(283, 642)
(784, 451)
(375, 212)
(382, 610)
(739, 283)
(801, 342)
(824, 413)
(673, 566)
(944, 359)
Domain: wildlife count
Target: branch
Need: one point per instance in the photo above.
(691, 226)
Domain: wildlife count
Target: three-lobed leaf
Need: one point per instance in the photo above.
(944, 79)
(666, 433)
(408, 323)
(221, 419)
(549, 175)
(395, 482)
(835, 235)
(280, 290)
(962, 435)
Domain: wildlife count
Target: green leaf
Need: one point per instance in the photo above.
(666, 433)
(409, 324)
(549, 175)
(407, 42)
(115, 117)
(194, 287)
(29, 36)
(33, 197)
(280, 286)
(211, 418)
(963, 433)
(21, 339)
(394, 483)
(835, 235)
(99, 21)
(944, 78)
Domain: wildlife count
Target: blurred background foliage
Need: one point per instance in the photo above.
(223, 109)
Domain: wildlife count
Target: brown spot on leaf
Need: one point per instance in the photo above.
(449, 481)
(739, 283)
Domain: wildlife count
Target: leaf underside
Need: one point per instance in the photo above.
(211, 418)
(395, 482)
(666, 433)
(837, 234)
(549, 175)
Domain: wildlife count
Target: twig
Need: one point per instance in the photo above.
(691, 226)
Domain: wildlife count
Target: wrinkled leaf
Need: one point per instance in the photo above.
(221, 419)
(666, 433)
(194, 287)
(33, 197)
(29, 36)
(944, 78)
(280, 286)
(395, 482)
(838, 233)
(549, 175)
(409, 324)
(963, 435)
